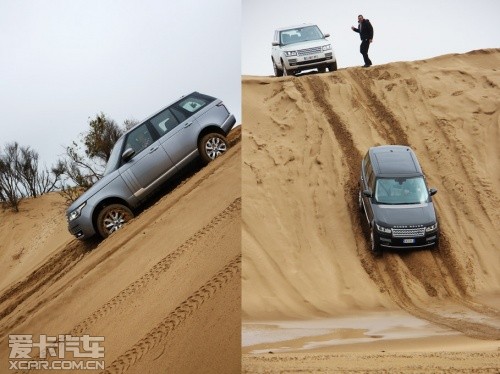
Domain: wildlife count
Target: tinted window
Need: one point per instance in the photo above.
(164, 122)
(371, 179)
(139, 138)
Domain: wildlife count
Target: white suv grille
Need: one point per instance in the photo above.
(408, 233)
(308, 51)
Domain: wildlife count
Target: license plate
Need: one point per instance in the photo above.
(409, 241)
(310, 57)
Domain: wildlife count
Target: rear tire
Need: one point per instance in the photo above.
(212, 146)
(112, 218)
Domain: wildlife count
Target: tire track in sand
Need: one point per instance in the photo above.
(386, 124)
(160, 267)
(459, 279)
(391, 129)
(54, 268)
(180, 314)
(351, 157)
(61, 263)
(387, 272)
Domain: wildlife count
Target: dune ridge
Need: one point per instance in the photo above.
(164, 291)
(305, 243)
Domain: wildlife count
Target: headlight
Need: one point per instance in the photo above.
(431, 227)
(326, 47)
(290, 53)
(383, 229)
(76, 213)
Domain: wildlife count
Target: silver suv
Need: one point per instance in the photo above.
(303, 47)
(146, 156)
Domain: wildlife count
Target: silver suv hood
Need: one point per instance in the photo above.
(99, 185)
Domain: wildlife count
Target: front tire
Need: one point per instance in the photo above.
(374, 243)
(212, 146)
(286, 72)
(112, 218)
(332, 66)
(277, 72)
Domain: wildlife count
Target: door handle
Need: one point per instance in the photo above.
(153, 149)
(188, 124)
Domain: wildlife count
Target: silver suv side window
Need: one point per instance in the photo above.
(139, 138)
(192, 104)
(164, 122)
(180, 115)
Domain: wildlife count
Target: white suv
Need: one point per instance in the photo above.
(303, 47)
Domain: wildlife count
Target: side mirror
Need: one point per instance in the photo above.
(128, 154)
(275, 44)
(367, 193)
(432, 191)
(327, 35)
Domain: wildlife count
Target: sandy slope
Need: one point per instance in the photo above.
(164, 291)
(305, 250)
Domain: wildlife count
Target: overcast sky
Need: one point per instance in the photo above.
(405, 30)
(63, 61)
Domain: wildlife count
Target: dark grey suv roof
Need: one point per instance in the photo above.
(389, 160)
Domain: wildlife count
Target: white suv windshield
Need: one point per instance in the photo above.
(300, 34)
(401, 191)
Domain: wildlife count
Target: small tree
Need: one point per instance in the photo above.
(84, 162)
(20, 175)
(129, 123)
(9, 178)
(101, 138)
(35, 181)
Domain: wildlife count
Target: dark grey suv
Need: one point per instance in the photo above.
(396, 201)
(146, 156)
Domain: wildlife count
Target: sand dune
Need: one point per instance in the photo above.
(164, 291)
(305, 248)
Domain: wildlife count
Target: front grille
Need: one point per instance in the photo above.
(75, 229)
(408, 233)
(308, 51)
(311, 61)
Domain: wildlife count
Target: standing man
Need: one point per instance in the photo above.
(365, 31)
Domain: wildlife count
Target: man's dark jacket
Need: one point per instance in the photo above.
(366, 30)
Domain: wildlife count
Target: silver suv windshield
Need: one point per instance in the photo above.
(401, 191)
(114, 157)
(300, 34)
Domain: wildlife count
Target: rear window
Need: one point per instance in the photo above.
(194, 103)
